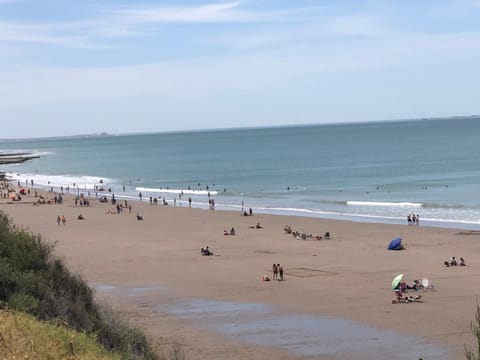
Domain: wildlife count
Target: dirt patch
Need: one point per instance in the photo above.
(472, 232)
(307, 272)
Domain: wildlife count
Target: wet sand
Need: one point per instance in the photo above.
(153, 271)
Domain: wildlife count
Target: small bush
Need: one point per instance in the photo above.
(116, 333)
(23, 302)
(475, 327)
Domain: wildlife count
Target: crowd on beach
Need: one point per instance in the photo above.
(453, 262)
(413, 220)
(277, 273)
(403, 287)
(304, 236)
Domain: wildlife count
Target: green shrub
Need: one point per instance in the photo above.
(475, 327)
(116, 334)
(23, 302)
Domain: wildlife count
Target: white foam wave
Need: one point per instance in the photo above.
(176, 191)
(42, 153)
(381, 203)
(73, 181)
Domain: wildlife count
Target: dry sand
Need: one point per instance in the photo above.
(140, 265)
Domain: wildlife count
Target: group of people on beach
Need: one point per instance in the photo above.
(413, 220)
(400, 298)
(231, 232)
(211, 204)
(249, 213)
(403, 287)
(304, 236)
(277, 273)
(61, 220)
(453, 262)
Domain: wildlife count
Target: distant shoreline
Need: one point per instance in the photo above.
(105, 134)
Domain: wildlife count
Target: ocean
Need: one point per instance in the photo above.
(372, 172)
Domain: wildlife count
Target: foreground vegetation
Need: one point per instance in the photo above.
(471, 354)
(24, 337)
(34, 281)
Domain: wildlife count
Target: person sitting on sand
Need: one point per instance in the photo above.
(416, 285)
(80, 217)
(446, 263)
(462, 262)
(206, 251)
(327, 235)
(232, 231)
(139, 217)
(453, 261)
(225, 232)
(287, 229)
(265, 277)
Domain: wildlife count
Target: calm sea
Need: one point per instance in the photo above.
(377, 172)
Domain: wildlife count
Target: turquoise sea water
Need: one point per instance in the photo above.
(376, 172)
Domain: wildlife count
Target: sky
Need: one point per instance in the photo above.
(126, 66)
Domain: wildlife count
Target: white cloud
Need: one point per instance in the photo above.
(356, 25)
(223, 12)
(259, 72)
(137, 22)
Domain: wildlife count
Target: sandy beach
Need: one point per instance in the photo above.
(147, 268)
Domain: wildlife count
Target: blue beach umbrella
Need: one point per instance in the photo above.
(395, 244)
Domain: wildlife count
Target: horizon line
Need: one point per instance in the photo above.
(107, 134)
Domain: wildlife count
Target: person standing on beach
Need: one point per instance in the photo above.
(140, 196)
(189, 202)
(417, 220)
(274, 271)
(280, 272)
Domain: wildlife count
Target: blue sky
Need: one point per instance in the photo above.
(76, 67)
